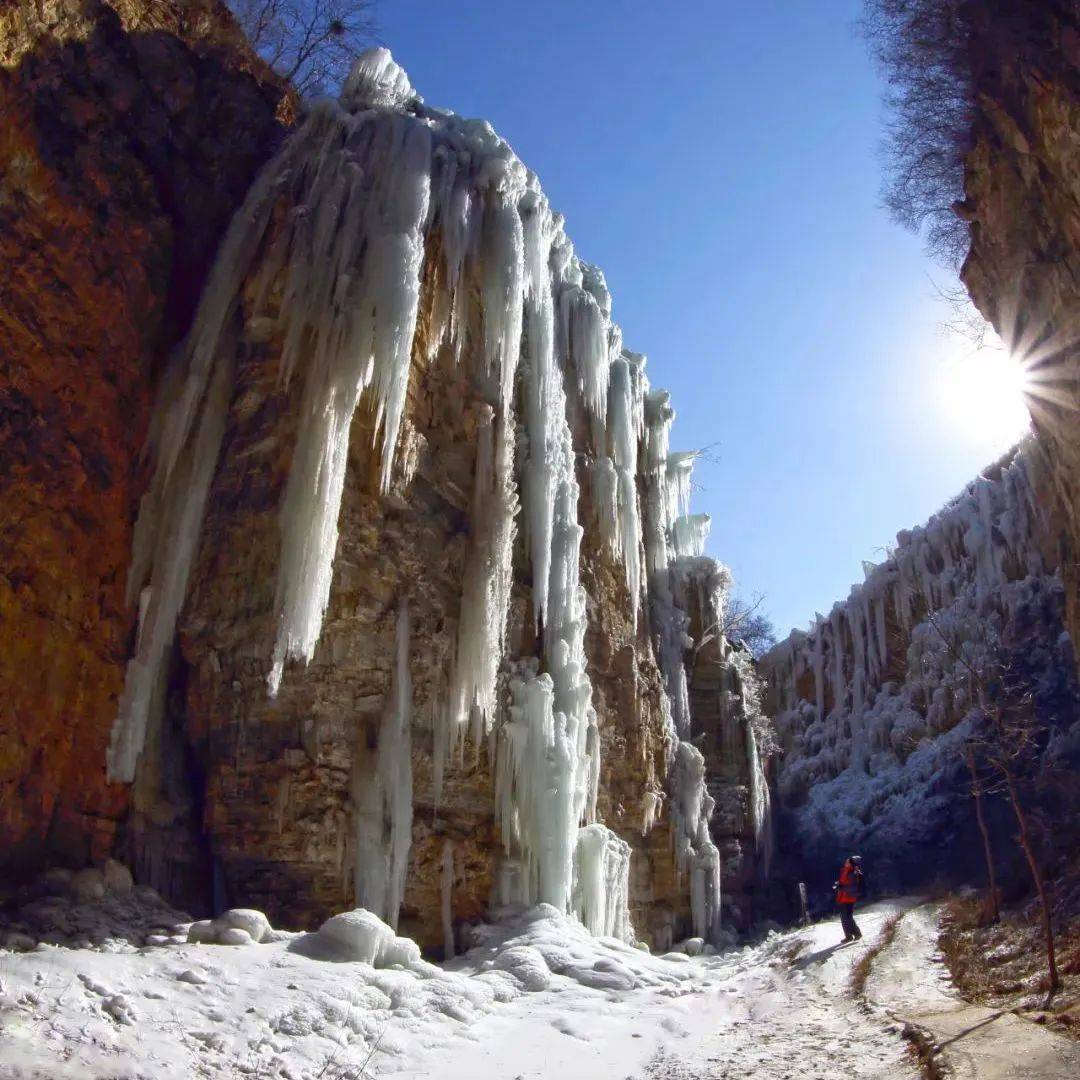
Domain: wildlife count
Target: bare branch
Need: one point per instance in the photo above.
(313, 43)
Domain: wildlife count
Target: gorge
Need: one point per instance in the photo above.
(347, 562)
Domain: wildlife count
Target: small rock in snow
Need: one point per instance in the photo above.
(193, 977)
(88, 884)
(117, 877)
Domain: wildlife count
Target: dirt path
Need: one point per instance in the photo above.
(969, 1042)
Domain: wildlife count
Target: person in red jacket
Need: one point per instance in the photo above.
(849, 889)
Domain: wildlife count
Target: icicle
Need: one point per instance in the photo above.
(485, 601)
(170, 519)
(689, 533)
(697, 855)
(602, 883)
(447, 899)
(819, 666)
(541, 781)
(650, 805)
(624, 422)
(383, 797)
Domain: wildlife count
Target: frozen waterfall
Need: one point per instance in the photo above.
(372, 201)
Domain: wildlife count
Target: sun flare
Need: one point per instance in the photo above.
(983, 390)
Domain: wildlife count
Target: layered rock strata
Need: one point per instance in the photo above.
(129, 133)
(408, 570)
(1022, 185)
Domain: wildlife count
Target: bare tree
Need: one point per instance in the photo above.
(993, 912)
(746, 624)
(1009, 734)
(1010, 743)
(921, 47)
(312, 43)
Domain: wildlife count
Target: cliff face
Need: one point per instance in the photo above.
(404, 618)
(1023, 204)
(876, 704)
(129, 134)
(403, 388)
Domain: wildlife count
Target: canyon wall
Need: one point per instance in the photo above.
(417, 540)
(128, 135)
(1022, 185)
(876, 704)
(393, 598)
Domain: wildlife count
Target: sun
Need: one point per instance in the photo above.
(983, 390)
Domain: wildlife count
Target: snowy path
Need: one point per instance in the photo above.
(780, 1010)
(793, 1016)
(972, 1042)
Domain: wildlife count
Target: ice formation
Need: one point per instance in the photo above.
(372, 200)
(601, 883)
(384, 799)
(872, 703)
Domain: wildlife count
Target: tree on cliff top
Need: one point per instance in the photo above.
(312, 43)
(922, 49)
(746, 624)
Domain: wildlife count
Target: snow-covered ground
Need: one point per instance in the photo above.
(536, 997)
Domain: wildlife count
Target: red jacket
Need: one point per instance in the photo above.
(850, 884)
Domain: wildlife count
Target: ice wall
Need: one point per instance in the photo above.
(871, 704)
(376, 209)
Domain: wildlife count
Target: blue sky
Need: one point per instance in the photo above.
(719, 160)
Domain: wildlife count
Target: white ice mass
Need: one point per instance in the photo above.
(387, 197)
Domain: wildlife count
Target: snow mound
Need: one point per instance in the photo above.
(526, 965)
(237, 926)
(537, 944)
(360, 935)
(377, 81)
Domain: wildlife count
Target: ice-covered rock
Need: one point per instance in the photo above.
(362, 936)
(56, 881)
(237, 926)
(233, 935)
(202, 932)
(526, 965)
(692, 946)
(377, 81)
(253, 922)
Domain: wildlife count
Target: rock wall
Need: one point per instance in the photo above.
(364, 767)
(874, 706)
(736, 740)
(129, 132)
(1022, 201)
